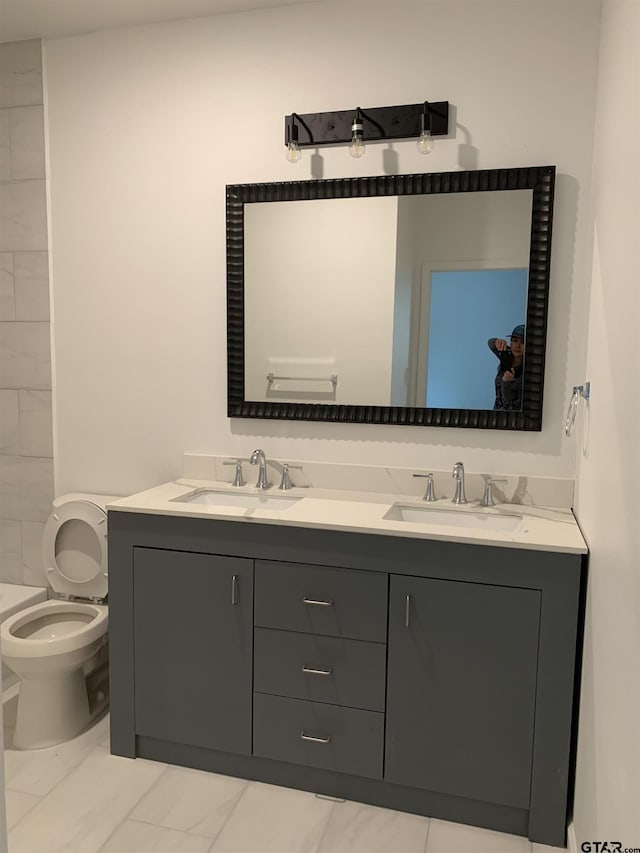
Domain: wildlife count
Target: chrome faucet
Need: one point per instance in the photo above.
(258, 458)
(488, 498)
(286, 483)
(238, 479)
(458, 476)
(430, 494)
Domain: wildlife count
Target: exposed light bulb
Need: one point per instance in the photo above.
(425, 142)
(293, 151)
(356, 149)
(293, 147)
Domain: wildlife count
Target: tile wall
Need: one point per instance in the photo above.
(26, 440)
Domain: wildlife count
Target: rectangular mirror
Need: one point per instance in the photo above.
(391, 299)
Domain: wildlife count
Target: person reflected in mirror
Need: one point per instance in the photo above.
(508, 381)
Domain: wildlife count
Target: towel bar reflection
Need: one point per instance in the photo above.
(333, 379)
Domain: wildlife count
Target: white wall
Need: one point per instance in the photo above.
(148, 124)
(406, 303)
(485, 226)
(608, 768)
(305, 303)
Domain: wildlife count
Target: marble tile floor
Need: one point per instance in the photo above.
(78, 798)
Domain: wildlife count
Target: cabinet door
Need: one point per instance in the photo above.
(193, 648)
(461, 688)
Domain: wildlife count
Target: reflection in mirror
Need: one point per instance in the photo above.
(384, 301)
(469, 309)
(391, 299)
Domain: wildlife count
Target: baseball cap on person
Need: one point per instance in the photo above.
(518, 332)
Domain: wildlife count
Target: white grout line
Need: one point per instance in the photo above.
(71, 770)
(426, 841)
(326, 825)
(136, 803)
(231, 813)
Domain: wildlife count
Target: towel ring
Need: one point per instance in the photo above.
(577, 392)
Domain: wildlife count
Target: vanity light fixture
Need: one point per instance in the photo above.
(293, 148)
(364, 125)
(425, 140)
(356, 149)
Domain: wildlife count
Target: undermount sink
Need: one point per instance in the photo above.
(212, 497)
(481, 520)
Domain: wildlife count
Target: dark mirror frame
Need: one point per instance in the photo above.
(540, 179)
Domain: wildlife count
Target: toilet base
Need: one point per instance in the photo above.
(51, 710)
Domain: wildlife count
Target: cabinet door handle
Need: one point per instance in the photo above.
(313, 671)
(234, 590)
(407, 611)
(313, 739)
(318, 602)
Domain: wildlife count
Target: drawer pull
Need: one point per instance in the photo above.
(318, 602)
(313, 739)
(313, 671)
(234, 590)
(407, 611)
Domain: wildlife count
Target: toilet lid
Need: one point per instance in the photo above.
(74, 547)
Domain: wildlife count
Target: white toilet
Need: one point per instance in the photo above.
(59, 647)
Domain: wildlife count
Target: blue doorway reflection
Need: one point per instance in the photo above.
(468, 307)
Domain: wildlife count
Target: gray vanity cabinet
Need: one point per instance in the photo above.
(461, 688)
(432, 677)
(193, 648)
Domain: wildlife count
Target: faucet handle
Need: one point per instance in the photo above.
(430, 494)
(238, 480)
(488, 498)
(286, 483)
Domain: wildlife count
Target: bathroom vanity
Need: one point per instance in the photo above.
(347, 652)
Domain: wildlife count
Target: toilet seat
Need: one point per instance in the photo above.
(74, 547)
(59, 648)
(83, 624)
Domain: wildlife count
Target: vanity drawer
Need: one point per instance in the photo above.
(318, 735)
(321, 669)
(318, 600)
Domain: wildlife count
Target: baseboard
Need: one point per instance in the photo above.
(10, 707)
(10, 693)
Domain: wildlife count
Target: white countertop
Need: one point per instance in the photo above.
(543, 529)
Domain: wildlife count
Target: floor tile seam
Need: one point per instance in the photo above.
(231, 813)
(326, 825)
(318, 849)
(134, 806)
(29, 810)
(42, 797)
(71, 768)
(18, 823)
(28, 793)
(245, 785)
(170, 828)
(426, 840)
